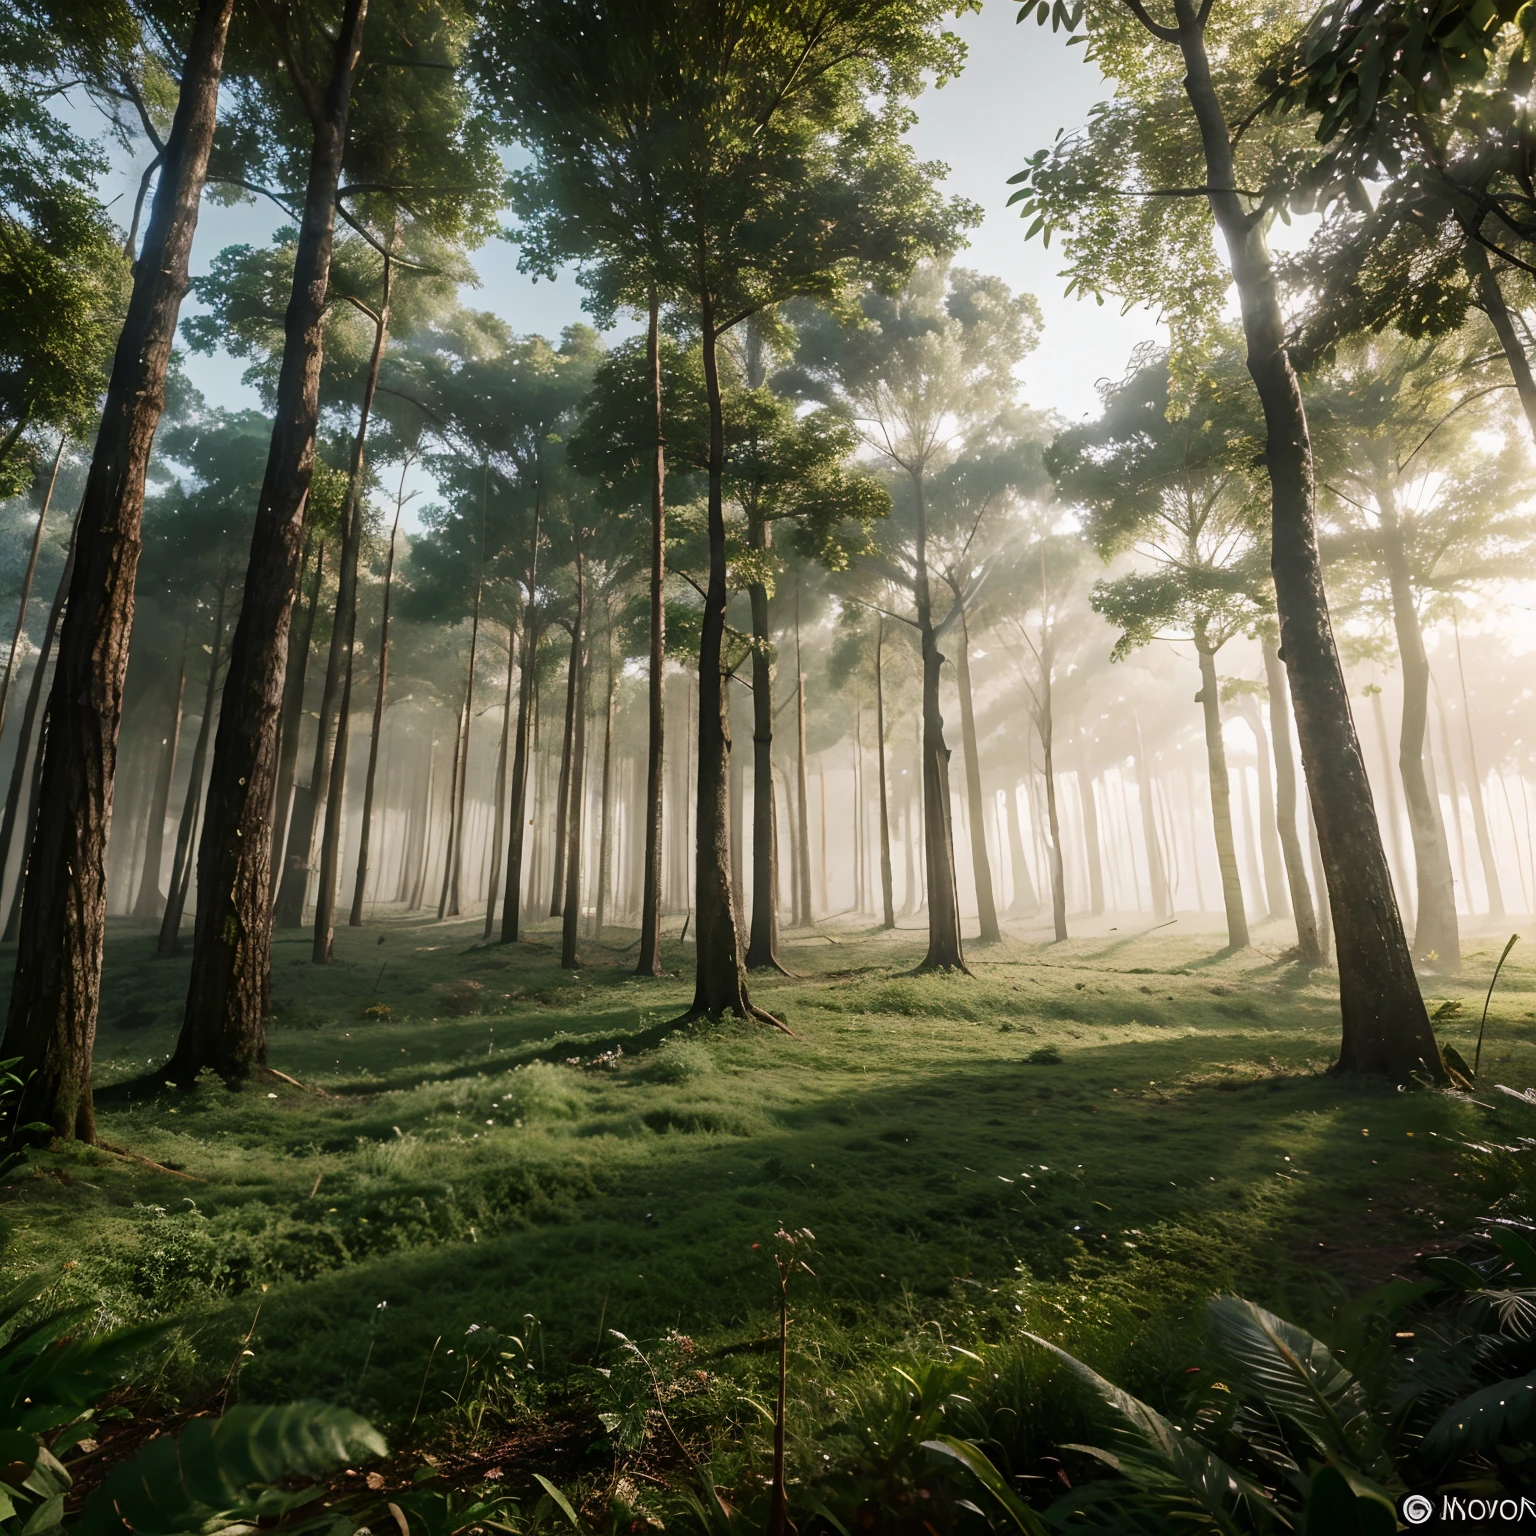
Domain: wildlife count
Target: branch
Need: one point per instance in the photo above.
(132, 94)
(1161, 33)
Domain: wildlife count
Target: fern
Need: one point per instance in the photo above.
(219, 1474)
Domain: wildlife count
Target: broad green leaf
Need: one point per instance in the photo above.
(1504, 1413)
(1298, 1378)
(979, 1465)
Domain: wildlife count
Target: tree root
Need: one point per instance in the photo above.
(135, 1157)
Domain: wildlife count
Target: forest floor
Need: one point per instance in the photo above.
(1084, 1138)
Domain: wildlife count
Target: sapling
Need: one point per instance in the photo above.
(787, 1258)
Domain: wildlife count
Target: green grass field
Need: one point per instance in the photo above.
(1085, 1139)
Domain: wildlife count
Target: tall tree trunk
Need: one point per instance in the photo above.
(1275, 894)
(26, 585)
(563, 783)
(1250, 839)
(1386, 1028)
(1490, 298)
(1438, 931)
(51, 1024)
(763, 935)
(1209, 700)
(570, 926)
(169, 942)
(649, 963)
(453, 811)
(33, 727)
(527, 708)
(1053, 821)
(1475, 788)
(605, 838)
(802, 917)
(1157, 874)
(344, 634)
(147, 904)
(455, 881)
(981, 863)
(1308, 944)
(418, 881)
(1026, 900)
(503, 753)
(887, 895)
(292, 719)
(229, 992)
(720, 978)
(1320, 884)
(1093, 844)
(1394, 816)
(945, 948)
(365, 831)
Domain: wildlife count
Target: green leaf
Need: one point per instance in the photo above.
(1297, 1377)
(222, 1471)
(561, 1502)
(1453, 1272)
(1334, 1507)
(979, 1465)
(1161, 1460)
(1518, 1251)
(1502, 1414)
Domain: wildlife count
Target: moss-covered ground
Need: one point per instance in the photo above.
(1085, 1137)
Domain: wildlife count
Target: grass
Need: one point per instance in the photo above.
(1085, 1138)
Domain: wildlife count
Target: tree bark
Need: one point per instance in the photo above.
(1386, 1028)
(32, 729)
(453, 883)
(1276, 896)
(1438, 931)
(459, 726)
(605, 824)
(169, 942)
(26, 584)
(229, 992)
(1209, 699)
(1490, 299)
(147, 905)
(649, 963)
(570, 926)
(527, 702)
(1093, 845)
(1485, 851)
(945, 948)
(51, 1025)
(292, 721)
(1394, 818)
(763, 934)
(887, 894)
(981, 863)
(1026, 900)
(720, 978)
(802, 913)
(503, 753)
(344, 637)
(1308, 943)
(1157, 874)
(563, 783)
(1053, 821)
(365, 832)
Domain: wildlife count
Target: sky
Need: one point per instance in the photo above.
(1020, 84)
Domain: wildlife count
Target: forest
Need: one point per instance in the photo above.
(535, 538)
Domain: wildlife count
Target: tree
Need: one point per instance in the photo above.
(784, 175)
(926, 367)
(1159, 61)
(51, 1023)
(228, 994)
(1419, 505)
(1175, 493)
